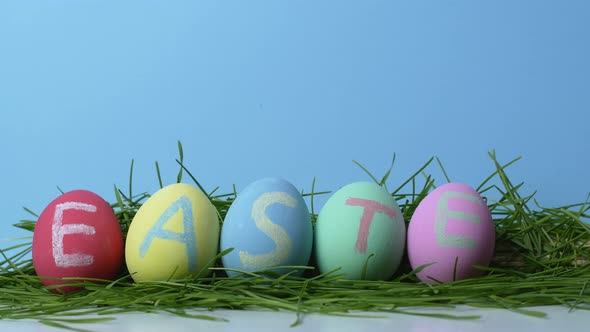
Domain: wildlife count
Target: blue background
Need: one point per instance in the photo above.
(294, 89)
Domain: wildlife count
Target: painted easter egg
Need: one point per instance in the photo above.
(268, 225)
(174, 234)
(451, 229)
(361, 230)
(77, 235)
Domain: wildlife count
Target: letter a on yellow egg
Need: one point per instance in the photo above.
(187, 237)
(272, 230)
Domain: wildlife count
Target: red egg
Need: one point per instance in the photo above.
(77, 235)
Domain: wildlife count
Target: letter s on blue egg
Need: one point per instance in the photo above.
(268, 225)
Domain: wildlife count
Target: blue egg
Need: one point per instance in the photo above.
(268, 225)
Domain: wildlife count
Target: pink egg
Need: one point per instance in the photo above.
(451, 229)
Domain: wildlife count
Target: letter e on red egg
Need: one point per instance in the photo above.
(77, 235)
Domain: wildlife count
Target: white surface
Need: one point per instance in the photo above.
(559, 318)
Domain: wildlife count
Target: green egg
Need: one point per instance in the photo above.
(360, 230)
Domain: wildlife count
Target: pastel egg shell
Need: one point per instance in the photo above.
(77, 235)
(360, 220)
(267, 225)
(452, 223)
(174, 234)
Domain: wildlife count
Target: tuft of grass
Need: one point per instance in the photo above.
(541, 258)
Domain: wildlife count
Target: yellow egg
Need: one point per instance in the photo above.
(174, 234)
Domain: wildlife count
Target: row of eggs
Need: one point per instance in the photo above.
(176, 233)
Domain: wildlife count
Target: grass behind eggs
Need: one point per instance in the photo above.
(541, 258)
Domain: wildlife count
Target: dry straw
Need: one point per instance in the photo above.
(541, 258)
